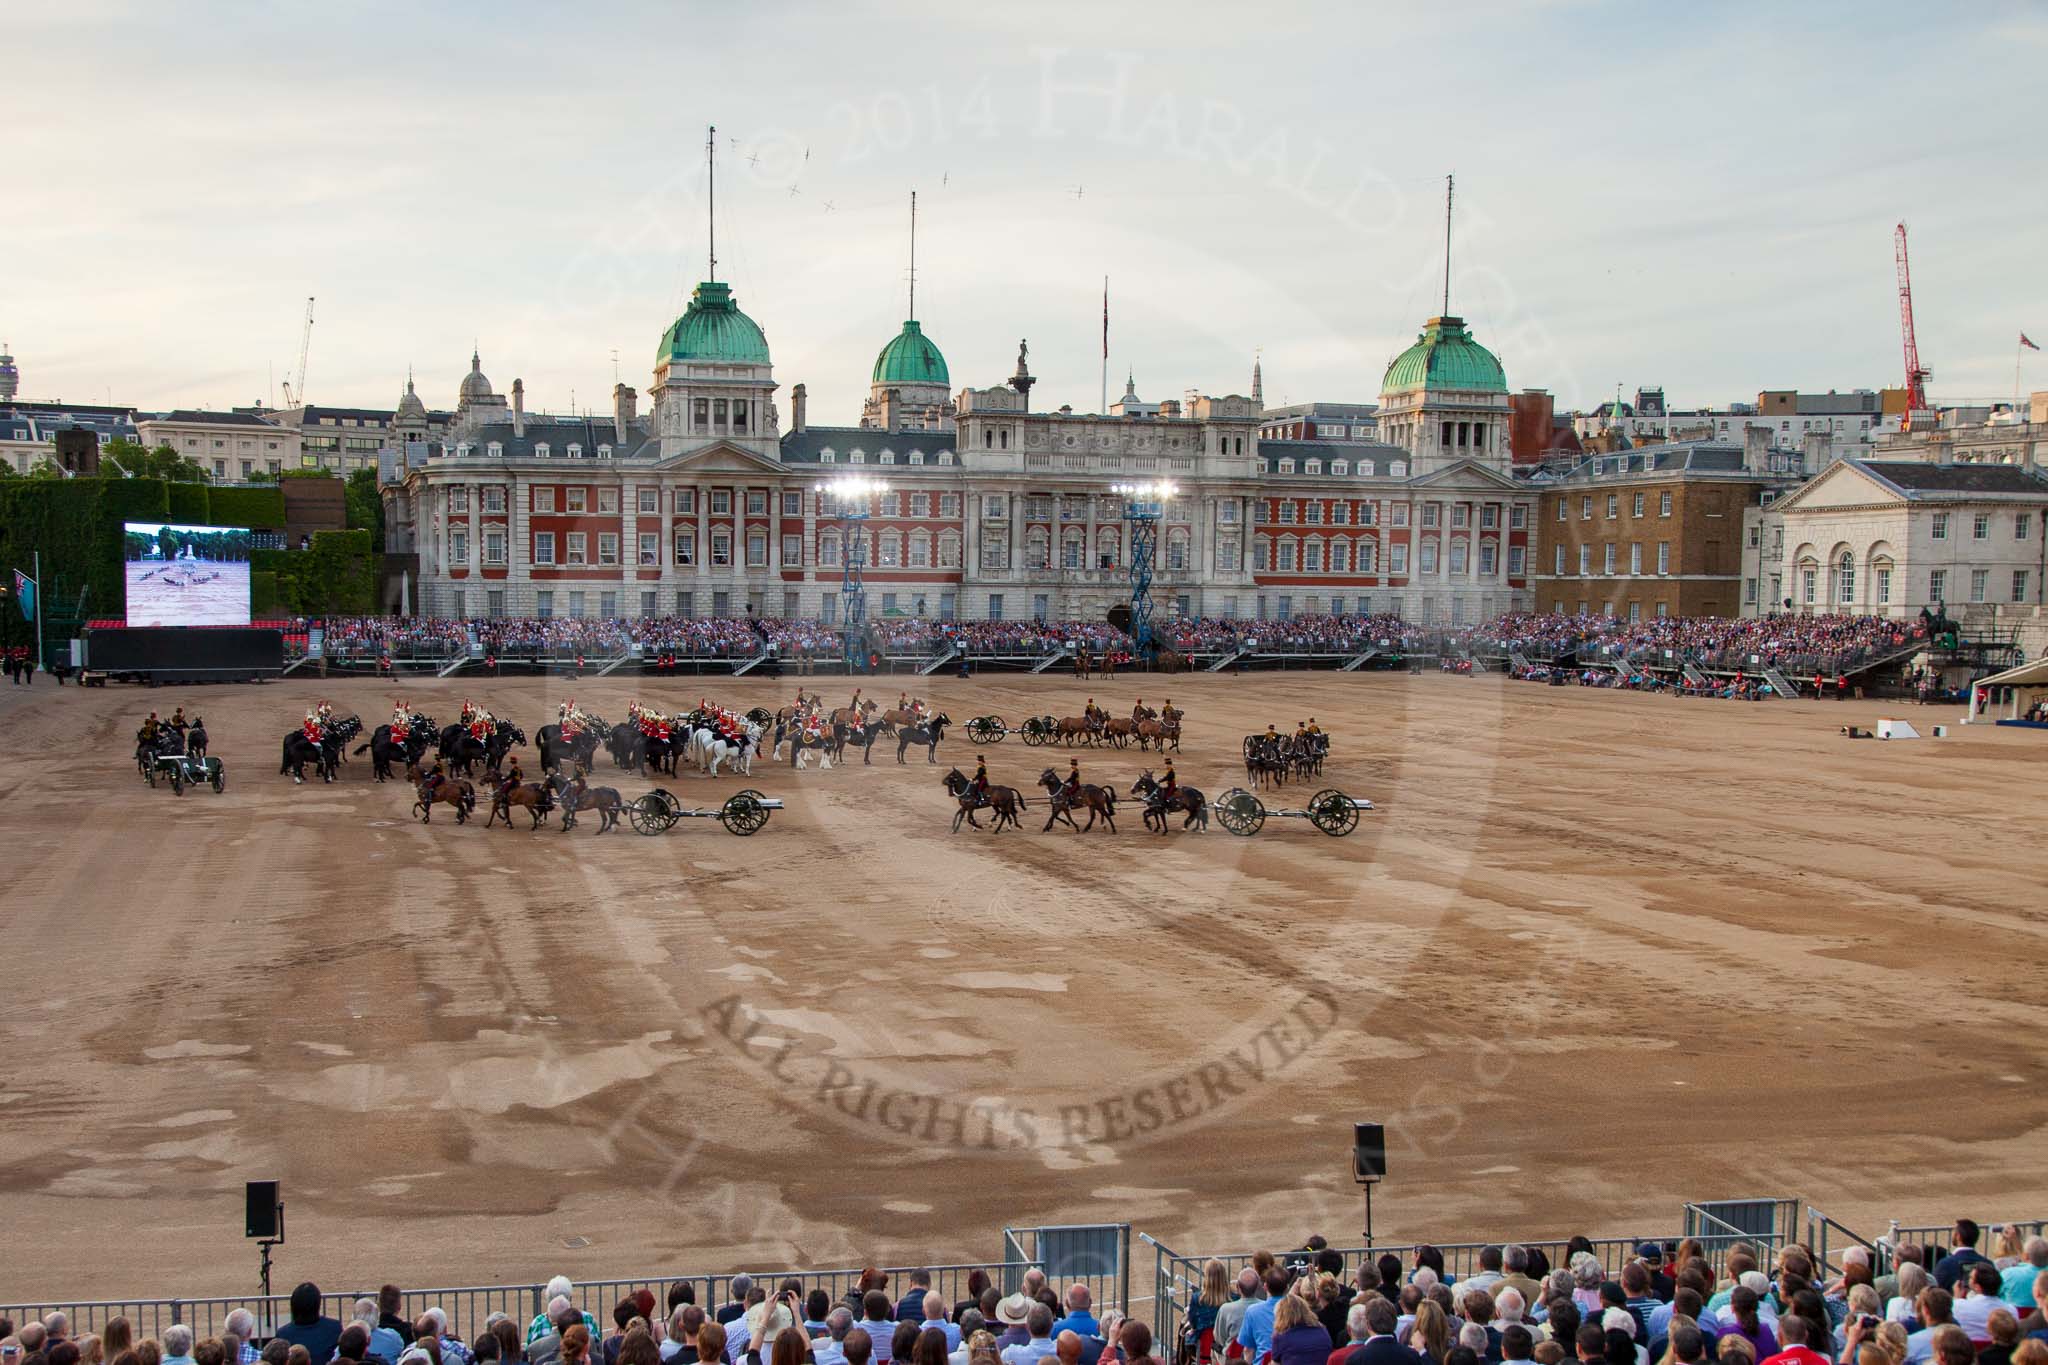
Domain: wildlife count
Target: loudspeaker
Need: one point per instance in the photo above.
(1368, 1152)
(260, 1217)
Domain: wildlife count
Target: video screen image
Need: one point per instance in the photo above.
(186, 575)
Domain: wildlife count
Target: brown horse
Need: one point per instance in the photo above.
(1067, 727)
(1158, 734)
(850, 717)
(1004, 801)
(1081, 662)
(1096, 800)
(449, 791)
(531, 795)
(1118, 730)
(576, 794)
(1186, 800)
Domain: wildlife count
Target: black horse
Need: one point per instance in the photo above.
(556, 752)
(459, 749)
(929, 733)
(863, 735)
(578, 795)
(386, 753)
(325, 755)
(195, 738)
(1185, 799)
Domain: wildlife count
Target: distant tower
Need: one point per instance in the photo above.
(10, 378)
(1258, 385)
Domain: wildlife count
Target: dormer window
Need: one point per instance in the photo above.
(1314, 466)
(496, 450)
(1340, 467)
(857, 457)
(828, 456)
(575, 451)
(945, 457)
(1398, 469)
(886, 457)
(604, 452)
(1365, 468)
(917, 457)
(540, 450)
(1287, 465)
(462, 449)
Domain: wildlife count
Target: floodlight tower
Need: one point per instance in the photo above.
(1144, 504)
(849, 498)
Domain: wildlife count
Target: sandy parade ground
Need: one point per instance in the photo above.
(1595, 954)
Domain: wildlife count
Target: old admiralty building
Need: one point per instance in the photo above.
(703, 505)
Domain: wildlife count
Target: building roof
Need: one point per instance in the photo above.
(804, 447)
(1920, 480)
(202, 417)
(1680, 457)
(1348, 411)
(1380, 453)
(1445, 356)
(911, 358)
(474, 385)
(713, 328)
(558, 434)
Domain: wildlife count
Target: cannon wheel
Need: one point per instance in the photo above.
(1331, 812)
(217, 775)
(743, 813)
(1238, 811)
(761, 715)
(987, 729)
(177, 772)
(149, 773)
(652, 813)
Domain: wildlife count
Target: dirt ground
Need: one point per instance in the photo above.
(1593, 955)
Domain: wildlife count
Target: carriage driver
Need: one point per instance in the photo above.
(147, 734)
(980, 783)
(513, 777)
(1314, 728)
(1169, 785)
(1271, 733)
(1070, 792)
(1301, 732)
(178, 721)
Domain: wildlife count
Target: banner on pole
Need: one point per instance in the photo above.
(25, 589)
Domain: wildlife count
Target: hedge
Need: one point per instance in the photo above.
(262, 593)
(337, 575)
(76, 524)
(245, 507)
(188, 504)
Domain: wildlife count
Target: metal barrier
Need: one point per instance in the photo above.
(1935, 1237)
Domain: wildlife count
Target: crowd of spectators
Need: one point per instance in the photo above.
(1665, 1305)
(1794, 643)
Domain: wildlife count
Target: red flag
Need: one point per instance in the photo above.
(2025, 340)
(1105, 317)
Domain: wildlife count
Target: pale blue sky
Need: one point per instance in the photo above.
(1695, 196)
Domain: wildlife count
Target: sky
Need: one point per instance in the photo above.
(1699, 197)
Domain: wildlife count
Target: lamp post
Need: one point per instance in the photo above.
(849, 499)
(1144, 504)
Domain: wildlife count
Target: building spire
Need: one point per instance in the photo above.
(913, 255)
(1450, 186)
(1258, 380)
(711, 192)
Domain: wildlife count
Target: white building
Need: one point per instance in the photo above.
(229, 446)
(1891, 537)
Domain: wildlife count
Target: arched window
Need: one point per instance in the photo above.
(1177, 550)
(1108, 547)
(1038, 548)
(1845, 579)
(1073, 542)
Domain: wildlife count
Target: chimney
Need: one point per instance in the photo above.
(1756, 445)
(622, 411)
(519, 407)
(797, 396)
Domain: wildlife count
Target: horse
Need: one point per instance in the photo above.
(1098, 801)
(1118, 731)
(1004, 801)
(460, 750)
(863, 735)
(387, 752)
(928, 733)
(708, 749)
(800, 744)
(848, 715)
(577, 795)
(449, 791)
(532, 795)
(325, 755)
(1186, 799)
(554, 748)
(1067, 727)
(1158, 734)
(1081, 662)
(1266, 760)
(195, 738)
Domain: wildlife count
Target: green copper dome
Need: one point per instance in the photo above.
(910, 358)
(713, 328)
(1445, 357)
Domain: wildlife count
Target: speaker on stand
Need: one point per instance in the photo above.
(263, 1219)
(1368, 1163)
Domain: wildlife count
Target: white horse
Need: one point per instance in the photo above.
(710, 751)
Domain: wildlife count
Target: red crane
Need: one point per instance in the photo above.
(1916, 377)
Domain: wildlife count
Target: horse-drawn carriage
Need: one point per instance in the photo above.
(742, 813)
(1329, 810)
(182, 770)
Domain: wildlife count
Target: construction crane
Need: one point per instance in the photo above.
(295, 389)
(1916, 377)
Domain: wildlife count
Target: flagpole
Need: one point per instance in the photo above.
(39, 608)
(1104, 409)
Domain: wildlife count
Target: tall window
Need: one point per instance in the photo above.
(543, 547)
(686, 547)
(721, 549)
(1845, 579)
(1882, 581)
(1937, 585)
(1663, 557)
(578, 547)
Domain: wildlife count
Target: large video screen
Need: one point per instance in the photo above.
(186, 575)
